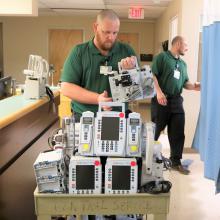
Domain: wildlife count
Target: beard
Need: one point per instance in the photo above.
(104, 45)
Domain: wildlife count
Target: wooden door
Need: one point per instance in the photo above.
(131, 39)
(61, 41)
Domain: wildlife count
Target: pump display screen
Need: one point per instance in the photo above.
(85, 177)
(87, 120)
(134, 121)
(121, 176)
(110, 128)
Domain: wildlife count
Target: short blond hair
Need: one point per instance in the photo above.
(176, 40)
(107, 13)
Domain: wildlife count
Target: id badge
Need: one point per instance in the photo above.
(176, 74)
(105, 70)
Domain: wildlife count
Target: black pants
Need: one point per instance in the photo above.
(172, 115)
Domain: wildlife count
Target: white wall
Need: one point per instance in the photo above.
(190, 27)
(162, 24)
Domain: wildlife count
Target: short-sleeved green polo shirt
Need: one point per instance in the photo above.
(163, 67)
(82, 67)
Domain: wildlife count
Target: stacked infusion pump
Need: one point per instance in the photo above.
(111, 135)
(49, 172)
(36, 77)
(131, 85)
(51, 167)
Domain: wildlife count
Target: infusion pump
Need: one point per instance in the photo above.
(133, 84)
(86, 134)
(121, 176)
(134, 124)
(110, 133)
(85, 175)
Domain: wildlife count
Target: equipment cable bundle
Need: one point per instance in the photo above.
(156, 187)
(167, 164)
(50, 94)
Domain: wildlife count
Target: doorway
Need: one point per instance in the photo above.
(132, 39)
(61, 41)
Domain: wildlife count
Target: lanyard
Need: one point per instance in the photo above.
(177, 65)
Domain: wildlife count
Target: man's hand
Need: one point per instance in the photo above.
(192, 86)
(128, 62)
(103, 97)
(197, 86)
(161, 98)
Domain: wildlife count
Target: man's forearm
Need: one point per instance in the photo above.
(156, 84)
(190, 86)
(78, 93)
(161, 98)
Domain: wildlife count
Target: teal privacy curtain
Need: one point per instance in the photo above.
(207, 136)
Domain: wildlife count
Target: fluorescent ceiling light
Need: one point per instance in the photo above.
(18, 7)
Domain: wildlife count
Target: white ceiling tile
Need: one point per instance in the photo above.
(92, 7)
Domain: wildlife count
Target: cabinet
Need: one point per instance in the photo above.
(24, 130)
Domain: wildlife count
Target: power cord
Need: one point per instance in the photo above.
(50, 139)
(50, 94)
(167, 164)
(156, 187)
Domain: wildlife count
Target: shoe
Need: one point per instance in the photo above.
(181, 169)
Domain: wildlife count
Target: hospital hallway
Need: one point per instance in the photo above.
(192, 196)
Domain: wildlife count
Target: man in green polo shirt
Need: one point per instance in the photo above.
(82, 79)
(170, 77)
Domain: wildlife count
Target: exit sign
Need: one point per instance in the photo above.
(136, 13)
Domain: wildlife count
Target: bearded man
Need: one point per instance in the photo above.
(84, 79)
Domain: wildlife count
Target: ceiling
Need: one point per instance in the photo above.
(152, 8)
